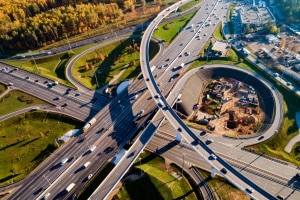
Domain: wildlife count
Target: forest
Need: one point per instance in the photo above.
(290, 9)
(31, 24)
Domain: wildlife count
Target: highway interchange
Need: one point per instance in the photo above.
(115, 117)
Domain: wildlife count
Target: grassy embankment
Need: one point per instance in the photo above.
(157, 181)
(26, 140)
(120, 59)
(16, 100)
(168, 30)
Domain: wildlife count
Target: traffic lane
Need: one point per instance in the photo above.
(194, 160)
(257, 160)
(123, 165)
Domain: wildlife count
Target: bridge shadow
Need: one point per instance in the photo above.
(158, 152)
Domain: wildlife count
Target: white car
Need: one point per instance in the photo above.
(213, 156)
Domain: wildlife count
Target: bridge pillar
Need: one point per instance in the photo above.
(178, 136)
(213, 172)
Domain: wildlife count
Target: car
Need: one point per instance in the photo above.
(202, 133)
(10, 84)
(288, 83)
(74, 196)
(64, 161)
(223, 170)
(213, 156)
(171, 79)
(27, 77)
(77, 94)
(280, 197)
(159, 84)
(64, 105)
(249, 189)
(90, 176)
(157, 96)
(208, 141)
(93, 148)
(46, 196)
(261, 137)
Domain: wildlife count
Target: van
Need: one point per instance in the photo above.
(64, 161)
(86, 164)
(92, 148)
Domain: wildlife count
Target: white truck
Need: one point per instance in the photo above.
(70, 187)
(88, 124)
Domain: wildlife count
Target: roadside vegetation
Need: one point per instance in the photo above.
(157, 181)
(168, 30)
(218, 33)
(15, 100)
(2, 88)
(189, 5)
(229, 17)
(27, 139)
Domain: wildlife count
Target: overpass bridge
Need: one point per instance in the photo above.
(182, 131)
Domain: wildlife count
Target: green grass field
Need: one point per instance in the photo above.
(119, 59)
(27, 139)
(167, 31)
(2, 88)
(16, 100)
(156, 182)
(218, 32)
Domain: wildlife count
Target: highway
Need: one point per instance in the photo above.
(115, 120)
(205, 152)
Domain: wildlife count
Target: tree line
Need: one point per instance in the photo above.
(29, 24)
(290, 9)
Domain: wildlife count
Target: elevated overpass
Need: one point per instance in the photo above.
(182, 130)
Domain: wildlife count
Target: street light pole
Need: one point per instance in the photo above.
(182, 164)
(37, 69)
(140, 166)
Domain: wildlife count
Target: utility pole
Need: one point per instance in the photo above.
(182, 164)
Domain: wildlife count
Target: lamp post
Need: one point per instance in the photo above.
(140, 166)
(37, 69)
(133, 48)
(182, 164)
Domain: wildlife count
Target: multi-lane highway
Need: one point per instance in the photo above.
(114, 125)
(201, 148)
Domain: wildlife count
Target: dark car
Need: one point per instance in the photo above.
(223, 170)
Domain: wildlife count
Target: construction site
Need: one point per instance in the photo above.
(230, 107)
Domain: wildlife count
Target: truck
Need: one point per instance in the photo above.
(88, 125)
(64, 161)
(152, 68)
(86, 164)
(70, 187)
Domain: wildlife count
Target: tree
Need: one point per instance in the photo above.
(86, 66)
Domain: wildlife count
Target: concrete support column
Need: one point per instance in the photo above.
(178, 136)
(213, 172)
